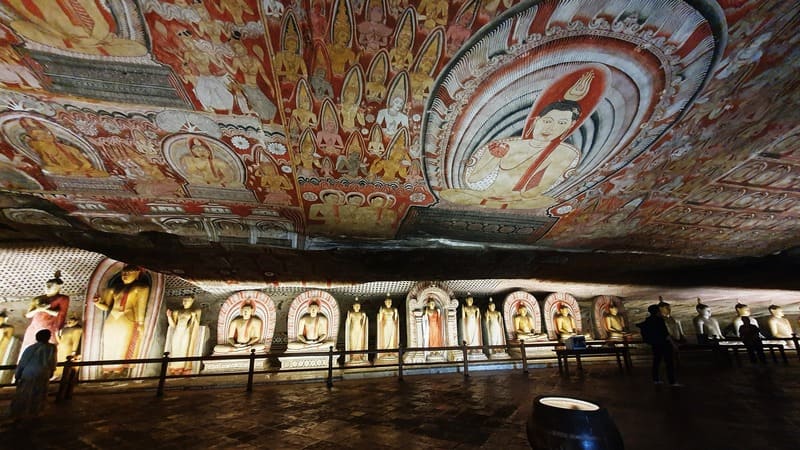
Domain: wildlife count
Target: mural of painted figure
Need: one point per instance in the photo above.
(80, 26)
(518, 172)
(59, 156)
(203, 167)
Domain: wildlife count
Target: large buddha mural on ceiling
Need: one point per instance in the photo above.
(551, 99)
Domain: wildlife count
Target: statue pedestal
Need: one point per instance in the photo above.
(234, 365)
(297, 361)
(296, 358)
(476, 355)
(515, 352)
(386, 358)
(358, 363)
(498, 354)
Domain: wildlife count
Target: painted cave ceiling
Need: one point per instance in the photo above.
(386, 139)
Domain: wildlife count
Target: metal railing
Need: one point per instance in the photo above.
(69, 378)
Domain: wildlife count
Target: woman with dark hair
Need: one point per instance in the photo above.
(35, 367)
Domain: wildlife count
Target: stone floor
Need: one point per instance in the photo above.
(717, 408)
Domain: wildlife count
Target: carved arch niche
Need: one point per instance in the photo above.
(106, 272)
(551, 305)
(600, 306)
(328, 307)
(416, 300)
(511, 305)
(263, 308)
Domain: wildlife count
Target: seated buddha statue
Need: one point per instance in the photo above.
(244, 333)
(615, 326)
(564, 323)
(524, 326)
(312, 330)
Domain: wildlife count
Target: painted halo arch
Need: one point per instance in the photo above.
(551, 304)
(327, 307)
(263, 308)
(600, 305)
(511, 304)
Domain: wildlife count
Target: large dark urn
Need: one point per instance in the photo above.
(563, 423)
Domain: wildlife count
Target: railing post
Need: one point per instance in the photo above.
(524, 356)
(399, 363)
(466, 359)
(796, 344)
(628, 361)
(251, 369)
(329, 381)
(66, 376)
(162, 377)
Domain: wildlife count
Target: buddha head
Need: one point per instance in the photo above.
(469, 301)
(396, 104)
(564, 310)
(355, 199)
(187, 301)
(555, 120)
(246, 310)
(53, 285)
(313, 309)
(356, 307)
(776, 311)
(387, 302)
(431, 303)
(614, 309)
(72, 321)
(522, 310)
(130, 273)
(199, 149)
(377, 201)
(742, 309)
(291, 44)
(491, 304)
(703, 310)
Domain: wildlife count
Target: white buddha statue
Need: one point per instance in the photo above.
(705, 326)
(185, 325)
(673, 326)
(388, 329)
(494, 327)
(471, 325)
(356, 327)
(779, 326)
(742, 310)
(244, 333)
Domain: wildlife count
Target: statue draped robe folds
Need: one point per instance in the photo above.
(125, 301)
